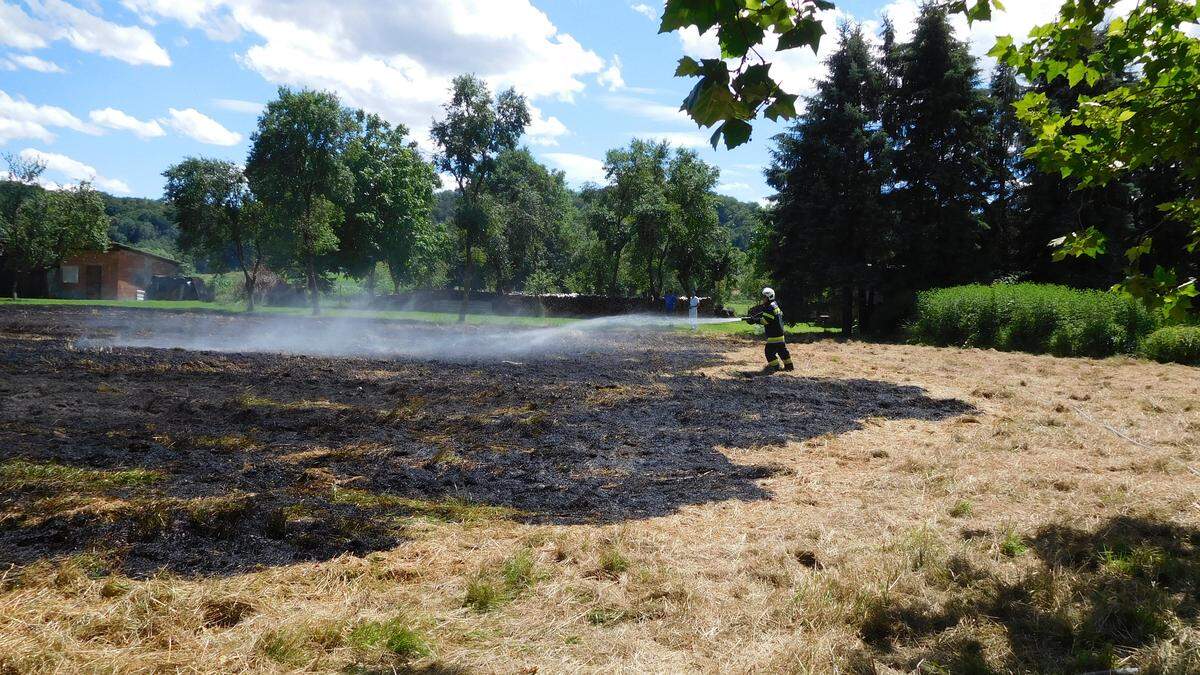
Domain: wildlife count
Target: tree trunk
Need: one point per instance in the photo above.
(16, 279)
(371, 282)
(616, 268)
(312, 286)
(249, 291)
(864, 310)
(395, 275)
(847, 311)
(468, 274)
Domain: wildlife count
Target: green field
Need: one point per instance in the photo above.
(239, 308)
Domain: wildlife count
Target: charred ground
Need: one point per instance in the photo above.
(246, 460)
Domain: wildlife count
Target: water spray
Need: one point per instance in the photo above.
(352, 337)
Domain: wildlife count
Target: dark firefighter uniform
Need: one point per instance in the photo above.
(770, 317)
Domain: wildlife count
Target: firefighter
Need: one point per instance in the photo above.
(770, 317)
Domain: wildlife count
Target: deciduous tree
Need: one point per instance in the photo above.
(392, 200)
(52, 225)
(297, 168)
(474, 130)
(1150, 120)
(216, 210)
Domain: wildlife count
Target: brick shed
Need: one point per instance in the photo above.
(116, 274)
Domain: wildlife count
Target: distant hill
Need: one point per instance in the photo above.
(742, 219)
(146, 223)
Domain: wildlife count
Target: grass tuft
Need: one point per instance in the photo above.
(393, 636)
(961, 509)
(1013, 544)
(612, 562)
(483, 595)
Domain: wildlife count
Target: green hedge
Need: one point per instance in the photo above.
(1033, 318)
(1177, 344)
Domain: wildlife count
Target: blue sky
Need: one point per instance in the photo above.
(116, 90)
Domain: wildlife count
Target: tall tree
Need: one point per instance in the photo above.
(392, 201)
(699, 247)
(1007, 169)
(636, 211)
(829, 223)
(530, 216)
(216, 210)
(474, 130)
(52, 225)
(297, 168)
(941, 130)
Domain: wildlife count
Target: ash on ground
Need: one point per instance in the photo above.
(266, 458)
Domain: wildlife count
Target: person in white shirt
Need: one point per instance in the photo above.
(693, 308)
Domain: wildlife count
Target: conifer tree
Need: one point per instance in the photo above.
(940, 129)
(829, 224)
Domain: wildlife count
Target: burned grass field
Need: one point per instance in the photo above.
(622, 501)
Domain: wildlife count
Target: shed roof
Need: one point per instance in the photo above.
(134, 249)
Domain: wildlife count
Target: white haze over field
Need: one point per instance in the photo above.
(345, 337)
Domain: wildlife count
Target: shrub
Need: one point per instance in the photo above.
(1033, 318)
(1178, 344)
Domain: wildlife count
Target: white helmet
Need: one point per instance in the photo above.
(768, 293)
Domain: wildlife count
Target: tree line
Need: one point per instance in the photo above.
(327, 189)
(907, 171)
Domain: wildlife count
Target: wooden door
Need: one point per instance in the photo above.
(93, 282)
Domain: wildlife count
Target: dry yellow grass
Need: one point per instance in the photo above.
(1023, 536)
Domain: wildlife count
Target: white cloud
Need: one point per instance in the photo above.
(112, 118)
(205, 15)
(642, 108)
(645, 10)
(544, 130)
(679, 139)
(395, 58)
(238, 105)
(579, 169)
(32, 62)
(733, 187)
(200, 127)
(75, 170)
(21, 119)
(19, 29)
(611, 76)
(51, 20)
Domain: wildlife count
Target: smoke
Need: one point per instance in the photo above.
(369, 338)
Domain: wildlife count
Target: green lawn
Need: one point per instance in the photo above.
(197, 306)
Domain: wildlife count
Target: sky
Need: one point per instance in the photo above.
(115, 91)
